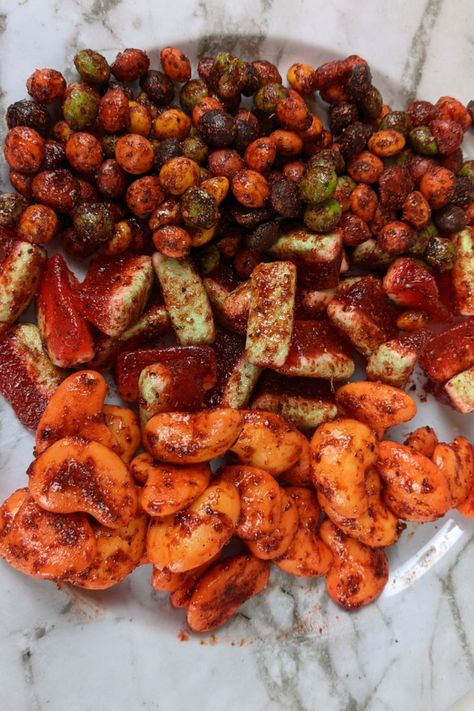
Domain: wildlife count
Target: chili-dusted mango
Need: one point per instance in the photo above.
(315, 301)
(191, 537)
(65, 333)
(115, 291)
(21, 265)
(75, 474)
(153, 323)
(412, 320)
(358, 573)
(193, 369)
(410, 285)
(186, 300)
(449, 352)
(317, 257)
(342, 452)
(463, 272)
(301, 402)
(236, 305)
(415, 489)
(270, 321)
(394, 361)
(223, 589)
(240, 384)
(236, 377)
(363, 313)
(190, 438)
(28, 379)
(155, 391)
(304, 412)
(163, 387)
(460, 389)
(317, 351)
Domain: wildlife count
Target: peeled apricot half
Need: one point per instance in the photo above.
(192, 537)
(163, 580)
(267, 441)
(119, 551)
(75, 409)
(422, 440)
(415, 489)
(125, 428)
(306, 556)
(378, 527)
(181, 596)
(43, 544)
(260, 500)
(458, 477)
(168, 488)
(75, 474)
(190, 438)
(341, 454)
(465, 452)
(378, 405)
(276, 543)
(223, 589)
(358, 574)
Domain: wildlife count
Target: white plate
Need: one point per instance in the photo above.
(291, 648)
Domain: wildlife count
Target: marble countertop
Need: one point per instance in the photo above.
(291, 649)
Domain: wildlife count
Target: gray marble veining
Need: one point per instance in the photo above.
(290, 648)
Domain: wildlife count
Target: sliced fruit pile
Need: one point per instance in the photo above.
(238, 260)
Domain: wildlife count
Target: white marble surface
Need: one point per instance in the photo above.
(292, 649)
